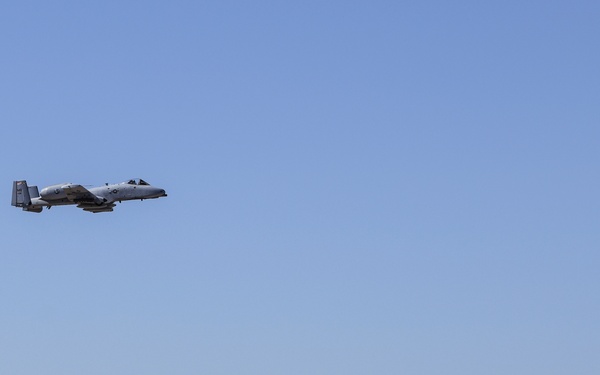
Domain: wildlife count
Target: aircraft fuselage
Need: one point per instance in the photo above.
(95, 199)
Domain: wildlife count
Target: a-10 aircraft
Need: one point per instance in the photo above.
(96, 199)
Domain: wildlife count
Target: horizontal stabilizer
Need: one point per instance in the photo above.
(36, 209)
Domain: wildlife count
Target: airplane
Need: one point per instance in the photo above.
(95, 199)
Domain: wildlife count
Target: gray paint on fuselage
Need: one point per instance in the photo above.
(96, 197)
(112, 193)
(126, 192)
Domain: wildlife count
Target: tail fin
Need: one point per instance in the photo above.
(20, 196)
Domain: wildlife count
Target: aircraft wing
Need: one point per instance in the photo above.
(77, 193)
(86, 200)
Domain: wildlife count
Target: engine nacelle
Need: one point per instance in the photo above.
(53, 192)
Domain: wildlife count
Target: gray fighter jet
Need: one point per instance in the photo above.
(96, 199)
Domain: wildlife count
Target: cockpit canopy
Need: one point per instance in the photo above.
(137, 181)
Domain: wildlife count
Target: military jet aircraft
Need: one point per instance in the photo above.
(96, 199)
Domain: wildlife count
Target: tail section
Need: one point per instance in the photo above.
(22, 194)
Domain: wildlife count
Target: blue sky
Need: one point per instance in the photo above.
(354, 187)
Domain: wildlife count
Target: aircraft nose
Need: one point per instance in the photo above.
(163, 192)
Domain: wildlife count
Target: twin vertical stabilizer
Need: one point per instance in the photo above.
(22, 194)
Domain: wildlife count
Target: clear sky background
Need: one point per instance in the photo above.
(354, 187)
